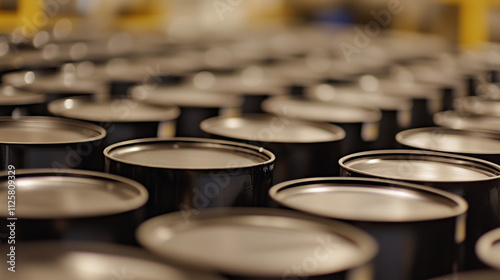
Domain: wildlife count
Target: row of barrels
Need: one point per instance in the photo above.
(190, 158)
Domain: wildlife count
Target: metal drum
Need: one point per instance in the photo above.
(260, 243)
(487, 248)
(20, 102)
(182, 173)
(196, 105)
(479, 144)
(478, 106)
(124, 119)
(360, 124)
(419, 229)
(72, 205)
(89, 260)
(302, 149)
(459, 120)
(396, 110)
(476, 180)
(48, 142)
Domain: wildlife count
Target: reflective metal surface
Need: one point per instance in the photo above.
(198, 173)
(48, 142)
(257, 243)
(88, 260)
(29, 102)
(460, 120)
(485, 145)
(420, 230)
(124, 119)
(488, 248)
(75, 204)
(302, 149)
(476, 180)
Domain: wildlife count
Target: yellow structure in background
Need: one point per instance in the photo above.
(27, 12)
(473, 25)
(143, 15)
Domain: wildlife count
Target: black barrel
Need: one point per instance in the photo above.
(48, 142)
(123, 118)
(479, 144)
(182, 173)
(20, 102)
(196, 105)
(419, 229)
(302, 149)
(476, 180)
(72, 205)
(257, 243)
(361, 124)
(89, 260)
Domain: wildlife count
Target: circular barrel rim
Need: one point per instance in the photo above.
(133, 204)
(207, 142)
(483, 246)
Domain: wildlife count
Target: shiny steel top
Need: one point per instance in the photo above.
(477, 106)
(188, 153)
(304, 109)
(451, 140)
(12, 96)
(457, 120)
(47, 130)
(115, 110)
(90, 260)
(268, 128)
(47, 194)
(420, 166)
(184, 96)
(255, 242)
(488, 248)
(364, 199)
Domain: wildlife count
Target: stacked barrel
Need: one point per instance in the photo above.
(267, 155)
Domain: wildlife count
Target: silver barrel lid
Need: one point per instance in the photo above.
(184, 96)
(420, 166)
(443, 139)
(188, 153)
(488, 248)
(256, 242)
(275, 129)
(53, 82)
(461, 120)
(114, 109)
(365, 199)
(47, 130)
(49, 194)
(12, 96)
(300, 108)
(477, 106)
(89, 260)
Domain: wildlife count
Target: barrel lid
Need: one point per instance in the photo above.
(91, 260)
(47, 130)
(364, 199)
(458, 120)
(444, 139)
(488, 248)
(115, 110)
(188, 153)
(420, 166)
(48, 194)
(300, 108)
(51, 82)
(256, 242)
(259, 127)
(471, 275)
(12, 96)
(184, 96)
(251, 80)
(353, 94)
(478, 106)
